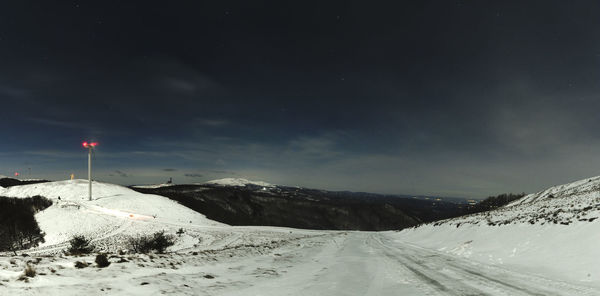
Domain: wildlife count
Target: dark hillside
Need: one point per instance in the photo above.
(306, 208)
(494, 202)
(8, 182)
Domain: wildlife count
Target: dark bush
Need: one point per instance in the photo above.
(81, 264)
(102, 260)
(140, 244)
(29, 271)
(162, 241)
(158, 242)
(80, 245)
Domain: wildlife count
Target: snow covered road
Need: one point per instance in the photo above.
(277, 261)
(441, 274)
(375, 264)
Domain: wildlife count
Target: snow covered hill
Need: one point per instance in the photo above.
(555, 232)
(114, 212)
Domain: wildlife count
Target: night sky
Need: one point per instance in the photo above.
(451, 98)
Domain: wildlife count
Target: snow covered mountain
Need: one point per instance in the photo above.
(238, 182)
(554, 231)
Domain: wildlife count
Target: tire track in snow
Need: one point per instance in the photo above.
(456, 271)
(441, 283)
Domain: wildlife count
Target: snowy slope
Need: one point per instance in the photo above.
(238, 182)
(457, 257)
(554, 232)
(114, 210)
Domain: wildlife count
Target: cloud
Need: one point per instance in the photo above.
(181, 85)
(59, 123)
(55, 154)
(193, 175)
(180, 78)
(169, 170)
(13, 92)
(211, 122)
(121, 174)
(223, 172)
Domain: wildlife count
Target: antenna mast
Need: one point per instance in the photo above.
(90, 147)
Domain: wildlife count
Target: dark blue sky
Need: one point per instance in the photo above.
(455, 98)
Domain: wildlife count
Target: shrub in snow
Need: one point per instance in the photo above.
(80, 245)
(102, 261)
(140, 244)
(162, 241)
(81, 264)
(29, 271)
(158, 242)
(180, 231)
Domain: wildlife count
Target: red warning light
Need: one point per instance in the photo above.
(17, 174)
(88, 145)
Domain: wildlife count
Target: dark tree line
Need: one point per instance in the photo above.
(9, 182)
(493, 202)
(18, 228)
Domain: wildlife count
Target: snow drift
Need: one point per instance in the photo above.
(554, 232)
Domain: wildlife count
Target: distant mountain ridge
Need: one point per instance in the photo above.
(9, 182)
(244, 202)
(238, 182)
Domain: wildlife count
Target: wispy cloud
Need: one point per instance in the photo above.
(13, 92)
(54, 153)
(211, 122)
(194, 175)
(120, 174)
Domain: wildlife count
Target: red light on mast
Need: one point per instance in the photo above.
(88, 145)
(16, 174)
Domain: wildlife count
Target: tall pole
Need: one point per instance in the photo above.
(90, 170)
(90, 146)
